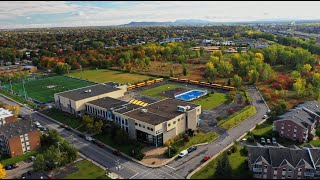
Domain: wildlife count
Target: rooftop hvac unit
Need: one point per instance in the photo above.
(88, 91)
(182, 108)
(144, 110)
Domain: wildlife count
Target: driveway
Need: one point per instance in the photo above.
(16, 173)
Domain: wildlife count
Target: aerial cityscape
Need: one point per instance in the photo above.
(159, 90)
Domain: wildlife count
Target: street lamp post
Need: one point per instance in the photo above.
(169, 150)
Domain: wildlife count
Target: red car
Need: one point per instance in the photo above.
(206, 158)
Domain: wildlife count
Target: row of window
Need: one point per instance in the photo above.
(174, 122)
(143, 126)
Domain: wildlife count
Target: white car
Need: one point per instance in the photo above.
(37, 123)
(183, 153)
(265, 116)
(89, 138)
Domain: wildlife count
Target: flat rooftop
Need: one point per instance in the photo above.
(83, 93)
(160, 111)
(17, 128)
(107, 102)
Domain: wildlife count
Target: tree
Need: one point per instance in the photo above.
(299, 87)
(218, 54)
(121, 63)
(39, 163)
(210, 70)
(197, 54)
(97, 126)
(267, 72)
(295, 74)
(185, 70)
(306, 68)
(223, 169)
(171, 72)
(236, 81)
(225, 68)
(201, 51)
(253, 76)
(14, 108)
(2, 172)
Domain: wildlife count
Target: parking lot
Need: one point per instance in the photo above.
(16, 173)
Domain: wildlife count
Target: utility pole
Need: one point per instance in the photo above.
(11, 86)
(24, 89)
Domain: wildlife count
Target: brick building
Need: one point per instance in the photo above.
(19, 137)
(299, 124)
(269, 162)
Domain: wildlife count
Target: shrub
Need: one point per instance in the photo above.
(233, 149)
(219, 118)
(186, 138)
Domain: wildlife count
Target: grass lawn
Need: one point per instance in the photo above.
(19, 99)
(315, 142)
(37, 89)
(63, 117)
(108, 140)
(103, 75)
(206, 102)
(87, 170)
(199, 138)
(263, 130)
(238, 164)
(211, 102)
(155, 92)
(237, 117)
(7, 160)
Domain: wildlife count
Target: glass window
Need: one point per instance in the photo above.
(151, 129)
(169, 124)
(144, 126)
(174, 122)
(139, 125)
(136, 124)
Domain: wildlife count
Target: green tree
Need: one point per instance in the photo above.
(171, 72)
(224, 68)
(210, 70)
(253, 76)
(97, 126)
(299, 87)
(223, 169)
(295, 74)
(267, 72)
(185, 70)
(121, 63)
(236, 81)
(39, 163)
(306, 68)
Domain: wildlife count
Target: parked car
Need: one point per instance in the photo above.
(263, 141)
(116, 152)
(8, 167)
(192, 148)
(37, 124)
(89, 138)
(268, 141)
(63, 125)
(32, 158)
(274, 140)
(82, 135)
(265, 116)
(68, 128)
(183, 153)
(268, 112)
(42, 128)
(100, 144)
(206, 158)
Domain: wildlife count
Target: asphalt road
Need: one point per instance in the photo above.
(177, 169)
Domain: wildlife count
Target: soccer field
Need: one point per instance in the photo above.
(103, 75)
(43, 90)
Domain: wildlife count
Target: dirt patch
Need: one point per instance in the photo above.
(173, 92)
(154, 156)
(64, 171)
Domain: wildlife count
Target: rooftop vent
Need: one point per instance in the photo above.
(144, 110)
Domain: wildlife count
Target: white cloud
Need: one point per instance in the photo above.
(161, 11)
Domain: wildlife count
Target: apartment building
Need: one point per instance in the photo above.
(73, 101)
(6, 116)
(299, 124)
(19, 137)
(278, 162)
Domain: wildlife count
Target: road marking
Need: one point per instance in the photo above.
(134, 176)
(147, 174)
(171, 175)
(170, 167)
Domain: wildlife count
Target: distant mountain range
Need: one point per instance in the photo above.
(206, 22)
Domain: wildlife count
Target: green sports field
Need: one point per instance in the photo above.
(43, 90)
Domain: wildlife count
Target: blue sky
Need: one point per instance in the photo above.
(19, 14)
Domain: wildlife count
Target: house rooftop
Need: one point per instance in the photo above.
(17, 128)
(160, 111)
(4, 113)
(278, 156)
(107, 102)
(87, 92)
